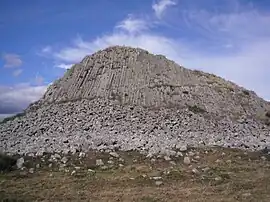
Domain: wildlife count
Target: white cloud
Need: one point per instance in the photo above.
(132, 25)
(17, 72)
(74, 53)
(12, 60)
(234, 46)
(64, 66)
(46, 49)
(161, 6)
(16, 98)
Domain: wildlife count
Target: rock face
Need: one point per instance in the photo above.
(127, 98)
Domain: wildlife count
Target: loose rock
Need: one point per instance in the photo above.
(64, 160)
(183, 148)
(20, 163)
(31, 170)
(114, 154)
(187, 160)
(99, 162)
(158, 183)
(73, 172)
(167, 158)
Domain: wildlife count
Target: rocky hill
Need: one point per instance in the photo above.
(129, 99)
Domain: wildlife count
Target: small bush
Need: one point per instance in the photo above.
(7, 162)
(12, 117)
(267, 114)
(196, 109)
(246, 92)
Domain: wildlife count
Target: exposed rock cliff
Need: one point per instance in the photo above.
(127, 98)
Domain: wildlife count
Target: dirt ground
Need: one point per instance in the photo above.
(214, 174)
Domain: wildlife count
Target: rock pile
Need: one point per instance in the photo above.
(126, 99)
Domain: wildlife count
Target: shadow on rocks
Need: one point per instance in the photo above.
(7, 163)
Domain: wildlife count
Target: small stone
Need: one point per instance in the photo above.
(179, 154)
(229, 161)
(91, 171)
(73, 151)
(187, 160)
(110, 162)
(64, 160)
(158, 183)
(51, 175)
(167, 158)
(56, 156)
(31, 170)
(197, 157)
(40, 153)
(172, 163)
(65, 152)
(183, 148)
(114, 154)
(223, 154)
(31, 154)
(73, 172)
(50, 165)
(82, 155)
(121, 165)
(218, 161)
(167, 172)
(157, 178)
(38, 166)
(134, 160)
(206, 169)
(153, 160)
(104, 167)
(77, 168)
(132, 178)
(99, 162)
(150, 155)
(218, 178)
(20, 163)
(121, 160)
(263, 158)
(195, 171)
(191, 154)
(144, 175)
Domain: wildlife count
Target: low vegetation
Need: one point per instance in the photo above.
(196, 109)
(6, 163)
(216, 175)
(12, 117)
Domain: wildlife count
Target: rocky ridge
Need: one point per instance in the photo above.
(126, 99)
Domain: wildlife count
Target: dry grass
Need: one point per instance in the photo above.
(245, 178)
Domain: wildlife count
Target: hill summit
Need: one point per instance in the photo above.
(129, 99)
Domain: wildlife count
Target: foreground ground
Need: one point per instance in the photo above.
(211, 175)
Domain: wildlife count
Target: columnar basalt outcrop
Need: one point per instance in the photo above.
(129, 99)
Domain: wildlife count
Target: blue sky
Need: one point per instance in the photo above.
(40, 39)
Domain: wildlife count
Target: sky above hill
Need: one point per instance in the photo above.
(40, 39)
